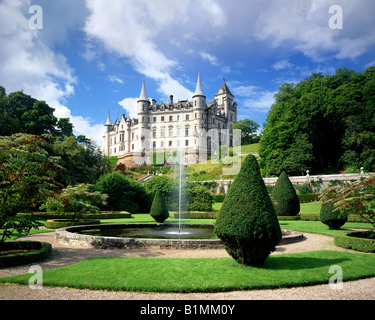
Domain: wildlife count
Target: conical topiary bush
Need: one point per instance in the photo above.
(247, 223)
(284, 197)
(159, 210)
(331, 216)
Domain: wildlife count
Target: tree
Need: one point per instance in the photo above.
(27, 176)
(247, 223)
(357, 199)
(159, 210)
(284, 197)
(249, 130)
(123, 194)
(199, 198)
(331, 216)
(168, 188)
(75, 199)
(313, 125)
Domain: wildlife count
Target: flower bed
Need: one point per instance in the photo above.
(32, 251)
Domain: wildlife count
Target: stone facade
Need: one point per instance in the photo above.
(197, 127)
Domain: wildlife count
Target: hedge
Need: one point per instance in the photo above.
(196, 215)
(303, 198)
(40, 251)
(101, 215)
(349, 241)
(316, 217)
(219, 197)
(61, 223)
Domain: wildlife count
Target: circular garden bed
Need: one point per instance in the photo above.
(16, 253)
(357, 240)
(61, 223)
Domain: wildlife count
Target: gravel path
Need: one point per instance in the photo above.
(63, 255)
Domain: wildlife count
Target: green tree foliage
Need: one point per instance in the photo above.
(249, 130)
(83, 162)
(357, 199)
(168, 188)
(123, 194)
(284, 197)
(247, 223)
(20, 112)
(199, 198)
(331, 216)
(159, 210)
(324, 123)
(75, 199)
(27, 177)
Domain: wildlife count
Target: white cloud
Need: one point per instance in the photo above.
(27, 63)
(210, 58)
(262, 102)
(303, 26)
(282, 64)
(130, 105)
(115, 79)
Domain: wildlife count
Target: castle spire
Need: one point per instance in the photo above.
(198, 89)
(143, 96)
(108, 123)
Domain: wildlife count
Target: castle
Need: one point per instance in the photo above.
(196, 126)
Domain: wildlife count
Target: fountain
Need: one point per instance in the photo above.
(186, 236)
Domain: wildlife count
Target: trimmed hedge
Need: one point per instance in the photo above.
(332, 217)
(284, 197)
(310, 197)
(38, 251)
(159, 210)
(289, 217)
(316, 217)
(247, 223)
(349, 240)
(219, 197)
(62, 223)
(101, 215)
(197, 215)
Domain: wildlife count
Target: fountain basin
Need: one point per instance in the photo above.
(103, 236)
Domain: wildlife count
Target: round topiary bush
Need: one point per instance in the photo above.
(332, 217)
(159, 210)
(247, 223)
(284, 197)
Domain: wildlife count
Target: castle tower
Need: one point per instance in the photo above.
(224, 99)
(108, 126)
(199, 107)
(143, 105)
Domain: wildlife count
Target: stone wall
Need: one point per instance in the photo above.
(323, 180)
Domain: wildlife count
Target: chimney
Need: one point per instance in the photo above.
(171, 101)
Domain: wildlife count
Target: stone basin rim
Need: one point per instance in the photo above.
(68, 236)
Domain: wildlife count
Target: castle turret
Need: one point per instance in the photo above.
(108, 126)
(143, 104)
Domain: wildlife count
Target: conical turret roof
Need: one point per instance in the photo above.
(198, 89)
(108, 123)
(143, 96)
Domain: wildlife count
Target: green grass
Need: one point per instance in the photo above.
(310, 207)
(204, 274)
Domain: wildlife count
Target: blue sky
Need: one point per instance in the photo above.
(91, 56)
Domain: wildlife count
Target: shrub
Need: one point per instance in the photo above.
(284, 197)
(159, 210)
(247, 223)
(332, 217)
(167, 187)
(123, 194)
(199, 198)
(355, 241)
(308, 197)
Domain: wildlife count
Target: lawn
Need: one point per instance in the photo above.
(204, 274)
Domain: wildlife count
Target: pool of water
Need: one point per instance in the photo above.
(156, 232)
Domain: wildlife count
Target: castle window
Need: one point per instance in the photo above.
(133, 146)
(162, 119)
(195, 115)
(154, 119)
(186, 131)
(162, 144)
(171, 118)
(186, 142)
(148, 120)
(187, 117)
(162, 132)
(154, 144)
(132, 135)
(170, 132)
(170, 143)
(154, 133)
(231, 117)
(114, 150)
